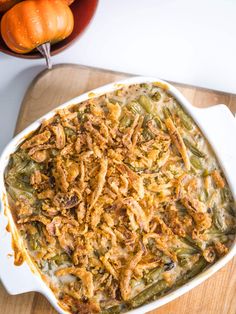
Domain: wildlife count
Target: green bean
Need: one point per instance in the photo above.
(201, 196)
(31, 167)
(82, 116)
(145, 102)
(225, 195)
(15, 193)
(69, 132)
(190, 242)
(118, 92)
(216, 233)
(59, 259)
(156, 96)
(115, 101)
(116, 309)
(185, 120)
(195, 161)
(218, 219)
(153, 275)
(206, 193)
(26, 169)
(185, 251)
(135, 169)
(33, 242)
(196, 269)
(184, 261)
(145, 85)
(223, 235)
(193, 170)
(166, 112)
(205, 173)
(184, 254)
(125, 121)
(193, 149)
(154, 290)
(15, 181)
(18, 162)
(147, 134)
(135, 107)
(222, 195)
(146, 118)
(159, 122)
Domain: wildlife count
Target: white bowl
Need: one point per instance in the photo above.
(217, 124)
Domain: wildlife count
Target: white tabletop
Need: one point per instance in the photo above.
(185, 41)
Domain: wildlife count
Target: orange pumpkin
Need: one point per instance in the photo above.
(32, 23)
(69, 2)
(7, 4)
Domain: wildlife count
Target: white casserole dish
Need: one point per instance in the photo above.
(217, 124)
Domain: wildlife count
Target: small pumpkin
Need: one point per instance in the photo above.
(31, 24)
(69, 2)
(7, 4)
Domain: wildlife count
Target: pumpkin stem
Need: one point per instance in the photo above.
(44, 49)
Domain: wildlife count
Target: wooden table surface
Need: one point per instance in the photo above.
(217, 295)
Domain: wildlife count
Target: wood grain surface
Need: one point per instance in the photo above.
(217, 295)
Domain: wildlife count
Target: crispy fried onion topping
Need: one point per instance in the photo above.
(85, 276)
(178, 141)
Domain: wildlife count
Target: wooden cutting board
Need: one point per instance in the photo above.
(51, 88)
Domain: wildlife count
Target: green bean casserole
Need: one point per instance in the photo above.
(119, 200)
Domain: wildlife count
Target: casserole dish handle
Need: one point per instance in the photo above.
(220, 126)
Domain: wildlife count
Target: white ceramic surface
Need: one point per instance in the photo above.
(218, 125)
